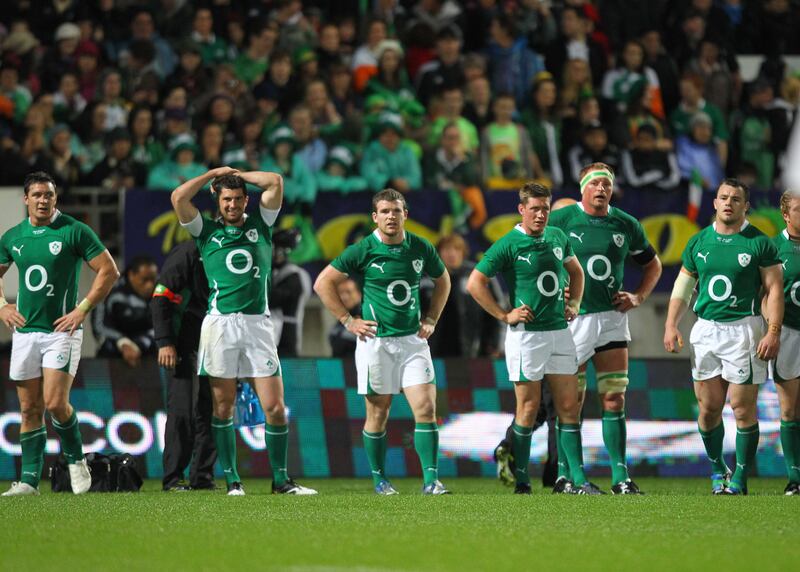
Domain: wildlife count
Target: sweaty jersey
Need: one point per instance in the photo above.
(238, 262)
(789, 255)
(390, 274)
(49, 260)
(601, 243)
(727, 267)
(533, 268)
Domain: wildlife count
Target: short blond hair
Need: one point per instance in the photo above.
(531, 190)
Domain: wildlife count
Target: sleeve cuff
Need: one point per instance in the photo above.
(269, 216)
(194, 226)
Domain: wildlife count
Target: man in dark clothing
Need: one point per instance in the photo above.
(289, 293)
(178, 306)
(446, 69)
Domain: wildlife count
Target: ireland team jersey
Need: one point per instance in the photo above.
(601, 243)
(49, 260)
(727, 267)
(533, 268)
(391, 275)
(238, 263)
(789, 255)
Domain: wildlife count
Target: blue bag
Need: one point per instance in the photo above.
(248, 412)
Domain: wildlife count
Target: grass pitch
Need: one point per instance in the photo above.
(482, 526)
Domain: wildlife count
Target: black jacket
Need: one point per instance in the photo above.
(123, 314)
(181, 298)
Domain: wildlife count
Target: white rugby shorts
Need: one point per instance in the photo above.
(237, 346)
(532, 355)
(787, 365)
(387, 365)
(728, 349)
(591, 331)
(32, 351)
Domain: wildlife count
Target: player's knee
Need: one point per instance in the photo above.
(32, 414)
(425, 413)
(275, 409)
(743, 411)
(57, 406)
(569, 408)
(223, 409)
(788, 414)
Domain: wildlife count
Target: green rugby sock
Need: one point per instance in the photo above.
(713, 440)
(790, 434)
(521, 449)
(615, 437)
(225, 440)
(571, 443)
(746, 448)
(563, 461)
(70, 436)
(33, 444)
(277, 439)
(426, 442)
(375, 447)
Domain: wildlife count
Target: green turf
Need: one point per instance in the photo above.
(676, 526)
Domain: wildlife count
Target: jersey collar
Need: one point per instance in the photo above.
(518, 228)
(745, 224)
(377, 236)
(580, 206)
(53, 218)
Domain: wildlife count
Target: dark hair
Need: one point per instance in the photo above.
(533, 190)
(388, 195)
(507, 23)
(736, 184)
(37, 177)
(138, 262)
(231, 182)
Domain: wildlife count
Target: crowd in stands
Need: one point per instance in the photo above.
(459, 97)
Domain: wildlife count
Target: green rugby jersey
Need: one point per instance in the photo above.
(533, 268)
(727, 267)
(238, 264)
(390, 274)
(789, 254)
(601, 243)
(49, 260)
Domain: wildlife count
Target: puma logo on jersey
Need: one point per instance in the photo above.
(378, 266)
(783, 264)
(703, 256)
(525, 258)
(579, 237)
(218, 240)
(18, 249)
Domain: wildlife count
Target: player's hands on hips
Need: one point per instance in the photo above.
(426, 329)
(673, 341)
(624, 301)
(70, 322)
(10, 316)
(519, 314)
(566, 293)
(768, 346)
(570, 313)
(362, 328)
(167, 357)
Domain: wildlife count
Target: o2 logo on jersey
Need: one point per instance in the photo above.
(744, 259)
(55, 247)
(605, 274)
(252, 235)
(417, 265)
(793, 294)
(540, 284)
(619, 239)
(393, 288)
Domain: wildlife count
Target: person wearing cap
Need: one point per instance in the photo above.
(388, 161)
(698, 156)
(61, 57)
(446, 69)
(593, 148)
(299, 184)
(306, 64)
(390, 81)
(179, 168)
(338, 176)
(646, 167)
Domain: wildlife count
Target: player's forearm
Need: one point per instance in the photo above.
(326, 290)
(651, 274)
(271, 185)
(479, 290)
(104, 281)
(775, 306)
(676, 310)
(576, 281)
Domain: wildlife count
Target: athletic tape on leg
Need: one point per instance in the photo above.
(612, 381)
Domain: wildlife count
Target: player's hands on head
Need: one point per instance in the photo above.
(768, 346)
(362, 328)
(519, 314)
(10, 317)
(70, 322)
(673, 341)
(222, 171)
(167, 357)
(624, 301)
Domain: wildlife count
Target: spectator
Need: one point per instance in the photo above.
(140, 71)
(759, 133)
(588, 112)
(211, 146)
(19, 95)
(507, 152)
(221, 111)
(324, 116)
(478, 109)
(697, 153)
(110, 93)
(179, 168)
(512, 64)
(59, 59)
(692, 101)
(295, 29)
(146, 149)
(576, 84)
(343, 96)
(143, 28)
(190, 74)
(537, 23)
(686, 39)
(122, 323)
(337, 175)
(306, 65)
(118, 170)
(390, 81)
(248, 152)
(299, 185)
(68, 101)
(61, 161)
(463, 330)
(251, 65)
(452, 107)
(593, 148)
(365, 58)
(87, 57)
(453, 169)
(720, 75)
(92, 131)
(576, 44)
(277, 92)
(618, 83)
(646, 167)
(309, 148)
(446, 69)
(544, 127)
(213, 49)
(176, 125)
(329, 49)
(637, 113)
(388, 161)
(660, 61)
(289, 293)
(341, 340)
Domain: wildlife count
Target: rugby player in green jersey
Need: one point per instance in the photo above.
(49, 248)
(237, 338)
(603, 238)
(535, 261)
(730, 262)
(785, 368)
(392, 353)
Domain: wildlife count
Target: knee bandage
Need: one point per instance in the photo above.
(581, 381)
(612, 381)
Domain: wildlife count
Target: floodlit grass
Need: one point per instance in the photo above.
(678, 525)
